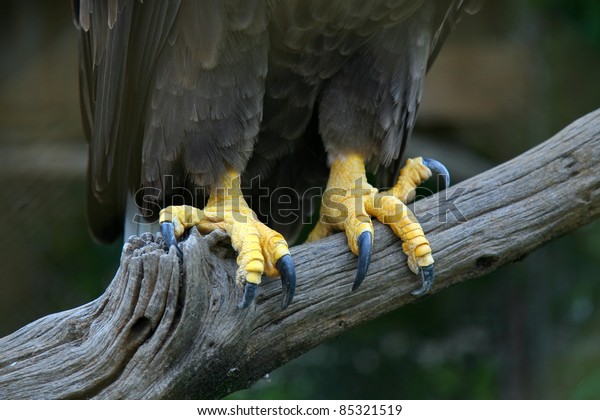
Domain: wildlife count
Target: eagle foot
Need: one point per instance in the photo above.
(349, 202)
(260, 249)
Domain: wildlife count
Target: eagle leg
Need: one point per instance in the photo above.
(349, 202)
(343, 209)
(260, 249)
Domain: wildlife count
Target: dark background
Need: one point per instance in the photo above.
(508, 78)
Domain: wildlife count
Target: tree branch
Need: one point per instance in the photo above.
(165, 331)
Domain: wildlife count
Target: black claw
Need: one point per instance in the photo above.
(285, 265)
(440, 169)
(427, 277)
(365, 247)
(249, 295)
(168, 233)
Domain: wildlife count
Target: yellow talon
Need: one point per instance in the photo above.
(182, 217)
(344, 201)
(350, 201)
(422, 250)
(413, 174)
(259, 247)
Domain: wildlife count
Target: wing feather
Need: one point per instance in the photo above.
(123, 44)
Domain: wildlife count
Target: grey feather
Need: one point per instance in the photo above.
(190, 89)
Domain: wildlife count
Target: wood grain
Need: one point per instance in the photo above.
(168, 330)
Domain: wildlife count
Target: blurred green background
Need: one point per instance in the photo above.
(508, 78)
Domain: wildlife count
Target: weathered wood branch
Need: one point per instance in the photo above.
(162, 330)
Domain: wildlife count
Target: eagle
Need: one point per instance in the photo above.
(193, 109)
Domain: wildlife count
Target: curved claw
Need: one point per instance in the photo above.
(168, 232)
(427, 277)
(285, 265)
(249, 295)
(439, 168)
(365, 247)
